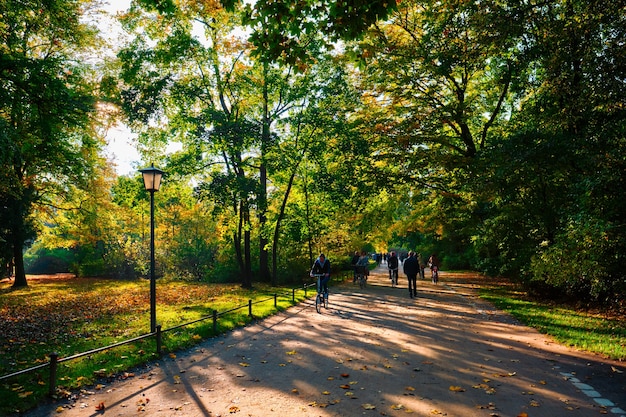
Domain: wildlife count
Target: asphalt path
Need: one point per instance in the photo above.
(374, 351)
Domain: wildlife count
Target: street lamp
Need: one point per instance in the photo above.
(152, 181)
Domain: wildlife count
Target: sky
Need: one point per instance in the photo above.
(120, 149)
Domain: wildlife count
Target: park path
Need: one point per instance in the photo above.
(374, 352)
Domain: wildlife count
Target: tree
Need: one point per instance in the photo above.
(46, 104)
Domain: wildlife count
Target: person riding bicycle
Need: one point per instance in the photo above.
(392, 264)
(433, 263)
(362, 265)
(321, 266)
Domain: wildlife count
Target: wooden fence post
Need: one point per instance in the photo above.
(159, 335)
(52, 383)
(275, 300)
(250, 308)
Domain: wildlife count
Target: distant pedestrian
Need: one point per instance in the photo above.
(422, 264)
(392, 265)
(433, 264)
(354, 262)
(411, 269)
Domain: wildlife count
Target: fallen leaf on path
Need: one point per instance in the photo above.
(369, 406)
(455, 388)
(244, 364)
(59, 409)
(233, 409)
(292, 352)
(344, 386)
(100, 407)
(397, 407)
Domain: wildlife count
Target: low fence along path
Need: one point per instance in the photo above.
(373, 352)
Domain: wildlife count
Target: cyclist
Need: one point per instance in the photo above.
(433, 263)
(321, 266)
(392, 264)
(362, 265)
(353, 262)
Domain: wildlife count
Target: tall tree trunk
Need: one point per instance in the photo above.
(247, 273)
(264, 272)
(281, 215)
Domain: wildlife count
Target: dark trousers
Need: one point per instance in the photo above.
(412, 283)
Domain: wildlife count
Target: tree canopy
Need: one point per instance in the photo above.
(488, 132)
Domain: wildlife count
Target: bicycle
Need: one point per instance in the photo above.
(434, 274)
(362, 276)
(322, 296)
(393, 275)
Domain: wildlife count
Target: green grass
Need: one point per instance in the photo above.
(602, 334)
(71, 316)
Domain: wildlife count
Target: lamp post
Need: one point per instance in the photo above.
(152, 181)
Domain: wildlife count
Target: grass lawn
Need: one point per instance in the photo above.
(599, 332)
(73, 315)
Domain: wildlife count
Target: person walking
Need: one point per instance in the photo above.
(411, 269)
(392, 265)
(420, 261)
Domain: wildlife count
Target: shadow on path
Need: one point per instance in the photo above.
(374, 351)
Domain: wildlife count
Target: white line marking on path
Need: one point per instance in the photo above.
(590, 392)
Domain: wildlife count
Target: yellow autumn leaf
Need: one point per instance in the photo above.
(369, 406)
(455, 388)
(233, 409)
(409, 389)
(292, 352)
(25, 394)
(325, 392)
(397, 407)
(295, 391)
(244, 364)
(172, 355)
(196, 337)
(59, 409)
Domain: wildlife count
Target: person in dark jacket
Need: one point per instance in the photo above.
(411, 269)
(392, 264)
(321, 266)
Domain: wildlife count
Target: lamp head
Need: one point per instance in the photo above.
(152, 178)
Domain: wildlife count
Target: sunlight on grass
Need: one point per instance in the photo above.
(71, 316)
(570, 327)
